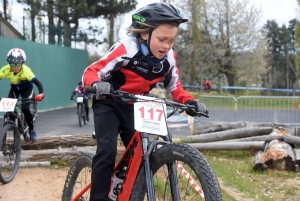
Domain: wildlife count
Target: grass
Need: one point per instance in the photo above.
(60, 162)
(234, 168)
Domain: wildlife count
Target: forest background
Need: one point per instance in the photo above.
(223, 40)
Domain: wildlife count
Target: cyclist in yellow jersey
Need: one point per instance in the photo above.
(21, 78)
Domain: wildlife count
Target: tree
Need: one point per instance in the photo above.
(281, 53)
(35, 9)
(71, 11)
(187, 45)
(251, 66)
(6, 10)
(297, 47)
(231, 28)
(66, 14)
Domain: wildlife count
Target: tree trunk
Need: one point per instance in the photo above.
(292, 140)
(66, 154)
(51, 26)
(229, 145)
(231, 134)
(52, 142)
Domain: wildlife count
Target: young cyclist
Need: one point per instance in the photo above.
(207, 85)
(134, 65)
(80, 93)
(21, 78)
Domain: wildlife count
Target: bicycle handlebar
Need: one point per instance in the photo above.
(27, 100)
(128, 97)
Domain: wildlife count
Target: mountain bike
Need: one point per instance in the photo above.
(10, 141)
(152, 166)
(82, 118)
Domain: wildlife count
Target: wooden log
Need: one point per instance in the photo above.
(279, 155)
(227, 135)
(265, 138)
(211, 127)
(258, 163)
(297, 154)
(67, 154)
(292, 140)
(228, 145)
(34, 164)
(52, 142)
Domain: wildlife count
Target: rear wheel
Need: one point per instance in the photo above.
(79, 176)
(10, 152)
(83, 114)
(194, 178)
(80, 117)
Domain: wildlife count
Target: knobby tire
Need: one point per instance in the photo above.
(10, 152)
(83, 114)
(80, 118)
(193, 162)
(79, 175)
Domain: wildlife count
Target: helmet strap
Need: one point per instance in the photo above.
(147, 54)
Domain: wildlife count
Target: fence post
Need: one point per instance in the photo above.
(191, 123)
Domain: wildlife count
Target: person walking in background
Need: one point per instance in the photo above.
(21, 78)
(80, 93)
(134, 65)
(207, 85)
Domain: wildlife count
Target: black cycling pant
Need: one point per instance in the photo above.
(109, 117)
(86, 105)
(25, 93)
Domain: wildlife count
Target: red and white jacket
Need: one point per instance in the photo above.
(124, 67)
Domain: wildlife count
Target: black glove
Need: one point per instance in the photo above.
(199, 107)
(71, 98)
(103, 88)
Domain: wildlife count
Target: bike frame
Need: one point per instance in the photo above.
(137, 150)
(19, 119)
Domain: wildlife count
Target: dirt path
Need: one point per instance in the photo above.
(35, 184)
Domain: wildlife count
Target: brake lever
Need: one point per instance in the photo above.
(202, 114)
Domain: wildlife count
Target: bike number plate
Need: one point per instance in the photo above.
(7, 104)
(79, 99)
(150, 116)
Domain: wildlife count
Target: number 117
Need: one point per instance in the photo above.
(151, 112)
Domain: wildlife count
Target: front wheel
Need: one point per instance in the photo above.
(80, 115)
(83, 113)
(194, 179)
(10, 152)
(79, 176)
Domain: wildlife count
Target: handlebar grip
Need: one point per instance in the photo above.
(91, 90)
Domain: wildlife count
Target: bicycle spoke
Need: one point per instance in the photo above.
(179, 173)
(9, 154)
(79, 179)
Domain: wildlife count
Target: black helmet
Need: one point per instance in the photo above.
(156, 13)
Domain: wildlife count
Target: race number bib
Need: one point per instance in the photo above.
(149, 116)
(7, 104)
(79, 99)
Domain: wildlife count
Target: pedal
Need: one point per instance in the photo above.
(94, 135)
(26, 136)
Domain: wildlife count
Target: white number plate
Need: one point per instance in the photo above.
(7, 104)
(79, 99)
(149, 116)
